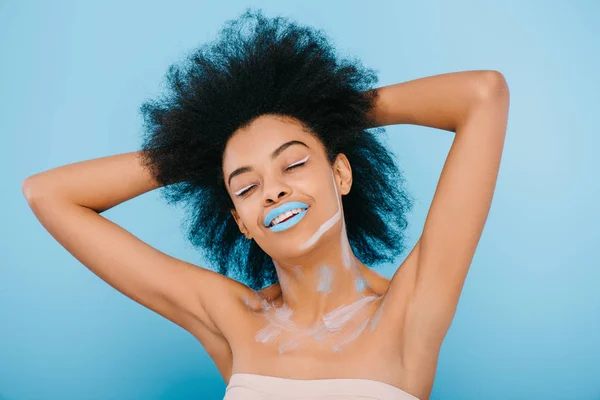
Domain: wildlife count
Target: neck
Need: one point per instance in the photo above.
(330, 276)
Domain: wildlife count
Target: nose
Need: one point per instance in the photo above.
(275, 193)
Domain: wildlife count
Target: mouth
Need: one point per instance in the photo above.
(288, 222)
(285, 216)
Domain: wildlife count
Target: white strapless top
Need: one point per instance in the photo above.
(262, 387)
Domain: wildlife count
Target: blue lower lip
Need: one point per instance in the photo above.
(289, 223)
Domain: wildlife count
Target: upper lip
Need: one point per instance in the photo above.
(290, 205)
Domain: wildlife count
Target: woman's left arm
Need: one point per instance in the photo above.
(440, 101)
(474, 105)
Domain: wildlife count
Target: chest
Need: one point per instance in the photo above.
(362, 348)
(372, 356)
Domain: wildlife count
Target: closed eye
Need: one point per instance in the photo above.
(245, 190)
(298, 163)
(242, 192)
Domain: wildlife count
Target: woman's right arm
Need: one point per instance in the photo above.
(68, 201)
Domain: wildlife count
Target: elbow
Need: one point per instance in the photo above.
(30, 189)
(493, 86)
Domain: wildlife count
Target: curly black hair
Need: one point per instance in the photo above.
(274, 66)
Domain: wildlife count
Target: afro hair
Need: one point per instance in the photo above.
(257, 66)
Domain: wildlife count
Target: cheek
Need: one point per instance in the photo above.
(324, 186)
(245, 214)
(321, 189)
(316, 182)
(248, 211)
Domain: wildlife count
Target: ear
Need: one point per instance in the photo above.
(343, 173)
(240, 224)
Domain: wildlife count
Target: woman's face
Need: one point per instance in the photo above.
(273, 162)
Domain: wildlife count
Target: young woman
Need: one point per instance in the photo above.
(271, 143)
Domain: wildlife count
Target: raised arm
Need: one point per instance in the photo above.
(474, 105)
(68, 201)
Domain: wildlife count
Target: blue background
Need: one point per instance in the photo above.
(73, 74)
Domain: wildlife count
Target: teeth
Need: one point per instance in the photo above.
(285, 215)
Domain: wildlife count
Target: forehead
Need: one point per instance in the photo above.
(258, 140)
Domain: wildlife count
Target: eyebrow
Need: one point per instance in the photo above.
(274, 154)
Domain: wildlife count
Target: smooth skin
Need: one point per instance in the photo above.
(423, 293)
